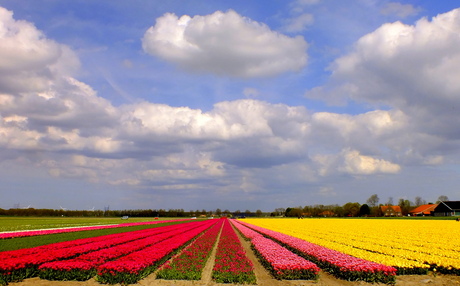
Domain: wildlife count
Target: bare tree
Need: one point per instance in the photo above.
(279, 211)
(442, 199)
(390, 201)
(373, 200)
(419, 201)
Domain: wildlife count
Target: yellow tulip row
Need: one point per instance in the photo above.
(411, 246)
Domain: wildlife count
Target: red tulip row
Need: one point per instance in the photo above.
(189, 264)
(231, 264)
(133, 267)
(281, 262)
(16, 234)
(84, 266)
(339, 264)
(24, 263)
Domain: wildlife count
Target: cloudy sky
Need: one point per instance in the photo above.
(227, 104)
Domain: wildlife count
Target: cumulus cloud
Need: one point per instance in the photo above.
(63, 126)
(42, 106)
(357, 164)
(29, 59)
(412, 69)
(352, 162)
(224, 43)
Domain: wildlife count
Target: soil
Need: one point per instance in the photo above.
(263, 278)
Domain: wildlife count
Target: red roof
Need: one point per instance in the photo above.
(395, 208)
(424, 209)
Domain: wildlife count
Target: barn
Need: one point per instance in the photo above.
(423, 210)
(447, 208)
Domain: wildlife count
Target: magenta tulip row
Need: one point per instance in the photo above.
(281, 262)
(189, 264)
(133, 267)
(19, 264)
(339, 264)
(16, 234)
(231, 264)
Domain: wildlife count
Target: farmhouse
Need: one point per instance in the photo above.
(327, 214)
(448, 208)
(391, 210)
(423, 210)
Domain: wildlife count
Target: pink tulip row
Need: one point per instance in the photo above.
(231, 264)
(282, 263)
(131, 268)
(19, 264)
(16, 234)
(189, 264)
(339, 264)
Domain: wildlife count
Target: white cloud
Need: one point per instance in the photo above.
(420, 62)
(224, 44)
(352, 162)
(357, 164)
(29, 59)
(412, 69)
(63, 126)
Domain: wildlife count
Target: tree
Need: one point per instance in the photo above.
(294, 212)
(373, 200)
(442, 199)
(364, 210)
(419, 201)
(279, 211)
(288, 210)
(218, 212)
(351, 209)
(405, 206)
(258, 213)
(390, 201)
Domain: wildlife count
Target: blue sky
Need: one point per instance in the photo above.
(227, 104)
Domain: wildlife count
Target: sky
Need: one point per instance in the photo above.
(237, 105)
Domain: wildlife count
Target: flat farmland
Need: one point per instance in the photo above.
(264, 276)
(33, 223)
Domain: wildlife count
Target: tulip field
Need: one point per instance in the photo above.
(365, 250)
(409, 246)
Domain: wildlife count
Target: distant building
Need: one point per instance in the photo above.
(447, 208)
(423, 210)
(391, 210)
(326, 214)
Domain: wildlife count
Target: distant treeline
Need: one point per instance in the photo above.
(95, 213)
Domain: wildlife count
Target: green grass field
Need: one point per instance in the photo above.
(31, 223)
